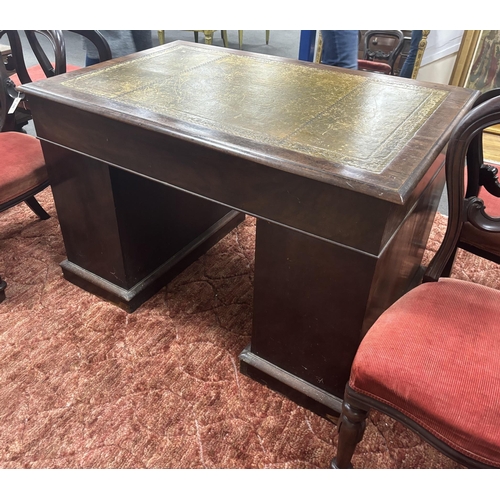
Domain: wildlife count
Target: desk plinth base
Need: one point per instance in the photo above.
(291, 386)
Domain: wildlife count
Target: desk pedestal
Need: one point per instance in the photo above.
(127, 236)
(315, 299)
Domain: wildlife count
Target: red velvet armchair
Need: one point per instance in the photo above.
(432, 360)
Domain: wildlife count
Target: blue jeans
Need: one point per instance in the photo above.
(90, 61)
(340, 48)
(407, 69)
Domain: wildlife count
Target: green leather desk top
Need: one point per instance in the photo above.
(322, 122)
(343, 118)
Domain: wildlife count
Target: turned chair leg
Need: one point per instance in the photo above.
(3, 286)
(37, 208)
(208, 37)
(352, 423)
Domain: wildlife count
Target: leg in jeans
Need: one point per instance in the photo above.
(90, 61)
(142, 39)
(340, 48)
(407, 69)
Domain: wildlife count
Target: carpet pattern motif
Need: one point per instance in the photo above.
(85, 385)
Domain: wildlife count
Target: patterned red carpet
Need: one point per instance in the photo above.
(85, 385)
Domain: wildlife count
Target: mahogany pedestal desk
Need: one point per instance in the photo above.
(155, 156)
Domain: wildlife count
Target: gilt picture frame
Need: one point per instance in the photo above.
(478, 63)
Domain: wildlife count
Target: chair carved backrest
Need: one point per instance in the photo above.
(56, 39)
(482, 182)
(383, 46)
(465, 146)
(376, 59)
(22, 74)
(49, 50)
(57, 43)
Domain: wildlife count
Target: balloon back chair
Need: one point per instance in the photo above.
(482, 181)
(22, 166)
(432, 360)
(380, 50)
(48, 48)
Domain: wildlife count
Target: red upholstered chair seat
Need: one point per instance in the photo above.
(36, 73)
(374, 66)
(439, 343)
(22, 167)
